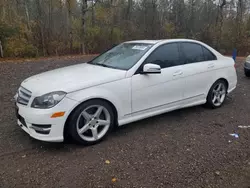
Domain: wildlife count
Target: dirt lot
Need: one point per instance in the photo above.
(185, 148)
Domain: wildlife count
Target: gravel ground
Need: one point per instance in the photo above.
(184, 148)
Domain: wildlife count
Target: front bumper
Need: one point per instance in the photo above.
(39, 124)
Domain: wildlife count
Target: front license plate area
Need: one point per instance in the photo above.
(19, 117)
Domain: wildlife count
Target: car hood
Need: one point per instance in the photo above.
(71, 78)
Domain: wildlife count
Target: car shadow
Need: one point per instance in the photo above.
(69, 144)
(180, 113)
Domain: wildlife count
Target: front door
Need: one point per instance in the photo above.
(164, 90)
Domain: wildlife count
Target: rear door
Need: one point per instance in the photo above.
(198, 71)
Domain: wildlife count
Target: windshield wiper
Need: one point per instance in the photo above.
(101, 64)
(104, 65)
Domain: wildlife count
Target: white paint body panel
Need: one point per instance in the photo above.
(153, 90)
(71, 78)
(135, 96)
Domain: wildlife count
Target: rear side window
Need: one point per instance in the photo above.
(209, 56)
(192, 52)
(166, 55)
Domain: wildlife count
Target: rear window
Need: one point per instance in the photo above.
(209, 56)
(193, 52)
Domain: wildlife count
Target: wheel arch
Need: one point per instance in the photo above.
(223, 79)
(66, 125)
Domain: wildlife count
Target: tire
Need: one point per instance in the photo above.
(83, 120)
(247, 73)
(214, 93)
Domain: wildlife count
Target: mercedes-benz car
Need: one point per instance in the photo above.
(247, 66)
(132, 81)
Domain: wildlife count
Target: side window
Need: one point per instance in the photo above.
(192, 52)
(166, 56)
(209, 56)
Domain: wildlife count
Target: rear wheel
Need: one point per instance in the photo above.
(217, 94)
(91, 122)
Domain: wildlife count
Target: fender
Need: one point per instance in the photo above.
(120, 98)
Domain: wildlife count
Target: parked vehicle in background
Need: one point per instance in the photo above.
(132, 81)
(247, 66)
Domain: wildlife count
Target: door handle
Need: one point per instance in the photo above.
(177, 73)
(211, 65)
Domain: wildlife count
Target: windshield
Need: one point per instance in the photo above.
(123, 56)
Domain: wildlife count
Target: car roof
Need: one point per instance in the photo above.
(144, 41)
(162, 40)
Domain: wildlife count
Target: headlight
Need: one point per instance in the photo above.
(248, 59)
(48, 100)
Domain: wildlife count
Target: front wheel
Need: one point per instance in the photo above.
(91, 122)
(217, 94)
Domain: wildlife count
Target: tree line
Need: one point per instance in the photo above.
(31, 28)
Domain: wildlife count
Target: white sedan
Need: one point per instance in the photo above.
(132, 81)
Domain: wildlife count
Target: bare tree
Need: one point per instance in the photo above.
(84, 11)
(69, 7)
(69, 26)
(40, 25)
(219, 23)
(3, 10)
(128, 15)
(27, 14)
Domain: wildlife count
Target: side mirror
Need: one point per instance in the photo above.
(151, 69)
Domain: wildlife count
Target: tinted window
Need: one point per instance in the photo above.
(209, 56)
(192, 52)
(166, 56)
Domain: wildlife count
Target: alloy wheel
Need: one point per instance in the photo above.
(93, 123)
(219, 94)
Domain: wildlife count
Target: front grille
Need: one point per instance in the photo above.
(24, 96)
